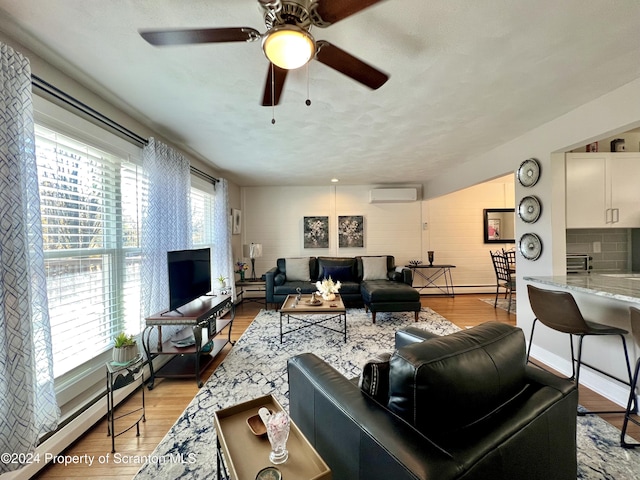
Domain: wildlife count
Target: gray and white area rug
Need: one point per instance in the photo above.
(256, 366)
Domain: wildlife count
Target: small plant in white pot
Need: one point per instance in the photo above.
(125, 348)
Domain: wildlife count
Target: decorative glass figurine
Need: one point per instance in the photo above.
(278, 433)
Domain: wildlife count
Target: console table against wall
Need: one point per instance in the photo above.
(253, 287)
(431, 273)
(191, 355)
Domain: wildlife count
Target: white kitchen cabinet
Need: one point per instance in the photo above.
(602, 190)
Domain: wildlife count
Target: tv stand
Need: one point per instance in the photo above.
(200, 314)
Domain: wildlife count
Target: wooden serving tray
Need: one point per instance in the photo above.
(246, 454)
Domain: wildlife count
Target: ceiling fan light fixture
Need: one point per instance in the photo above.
(288, 46)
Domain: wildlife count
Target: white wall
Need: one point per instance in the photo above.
(455, 232)
(273, 216)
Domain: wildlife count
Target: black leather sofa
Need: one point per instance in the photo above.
(393, 293)
(462, 406)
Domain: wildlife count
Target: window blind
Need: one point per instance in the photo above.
(91, 203)
(202, 198)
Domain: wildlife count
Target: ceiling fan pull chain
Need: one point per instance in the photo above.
(273, 96)
(308, 101)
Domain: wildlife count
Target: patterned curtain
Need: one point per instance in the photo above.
(166, 220)
(28, 405)
(221, 255)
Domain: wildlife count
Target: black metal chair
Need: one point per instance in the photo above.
(634, 315)
(503, 277)
(511, 259)
(558, 310)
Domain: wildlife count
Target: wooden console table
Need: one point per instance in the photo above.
(202, 315)
(430, 273)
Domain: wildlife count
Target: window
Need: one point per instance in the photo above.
(91, 203)
(202, 198)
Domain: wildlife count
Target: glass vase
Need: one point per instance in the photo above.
(278, 433)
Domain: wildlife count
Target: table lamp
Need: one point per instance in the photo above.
(252, 251)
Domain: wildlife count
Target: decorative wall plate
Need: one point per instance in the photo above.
(530, 246)
(529, 172)
(529, 209)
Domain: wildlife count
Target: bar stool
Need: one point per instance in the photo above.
(634, 316)
(558, 310)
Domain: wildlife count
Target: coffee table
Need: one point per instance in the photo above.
(245, 454)
(299, 309)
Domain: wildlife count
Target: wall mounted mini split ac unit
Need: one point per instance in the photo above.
(393, 195)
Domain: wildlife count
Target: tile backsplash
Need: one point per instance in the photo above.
(615, 250)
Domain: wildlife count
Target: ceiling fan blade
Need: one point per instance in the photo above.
(349, 65)
(201, 35)
(332, 11)
(274, 89)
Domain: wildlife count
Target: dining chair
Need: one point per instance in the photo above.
(559, 311)
(503, 277)
(511, 259)
(634, 317)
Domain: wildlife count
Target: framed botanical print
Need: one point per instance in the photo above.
(316, 232)
(351, 231)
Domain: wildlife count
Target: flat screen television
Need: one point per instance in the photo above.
(189, 275)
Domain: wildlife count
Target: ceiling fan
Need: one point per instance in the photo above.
(287, 43)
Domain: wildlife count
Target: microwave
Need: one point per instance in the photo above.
(578, 263)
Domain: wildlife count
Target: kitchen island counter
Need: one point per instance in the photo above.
(617, 286)
(603, 298)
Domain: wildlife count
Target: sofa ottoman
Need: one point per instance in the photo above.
(388, 296)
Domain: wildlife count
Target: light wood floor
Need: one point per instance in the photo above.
(168, 399)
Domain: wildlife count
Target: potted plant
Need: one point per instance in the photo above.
(125, 348)
(223, 282)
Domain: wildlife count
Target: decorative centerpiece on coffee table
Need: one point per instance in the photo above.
(328, 288)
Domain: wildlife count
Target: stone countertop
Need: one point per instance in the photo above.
(619, 286)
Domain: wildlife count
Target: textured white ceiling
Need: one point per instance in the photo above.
(466, 76)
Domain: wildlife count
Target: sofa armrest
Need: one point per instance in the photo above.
(409, 335)
(407, 276)
(543, 377)
(373, 442)
(270, 284)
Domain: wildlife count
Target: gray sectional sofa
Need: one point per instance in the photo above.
(372, 281)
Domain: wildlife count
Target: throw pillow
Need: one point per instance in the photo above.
(297, 269)
(374, 268)
(337, 273)
(374, 379)
(279, 279)
(395, 276)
